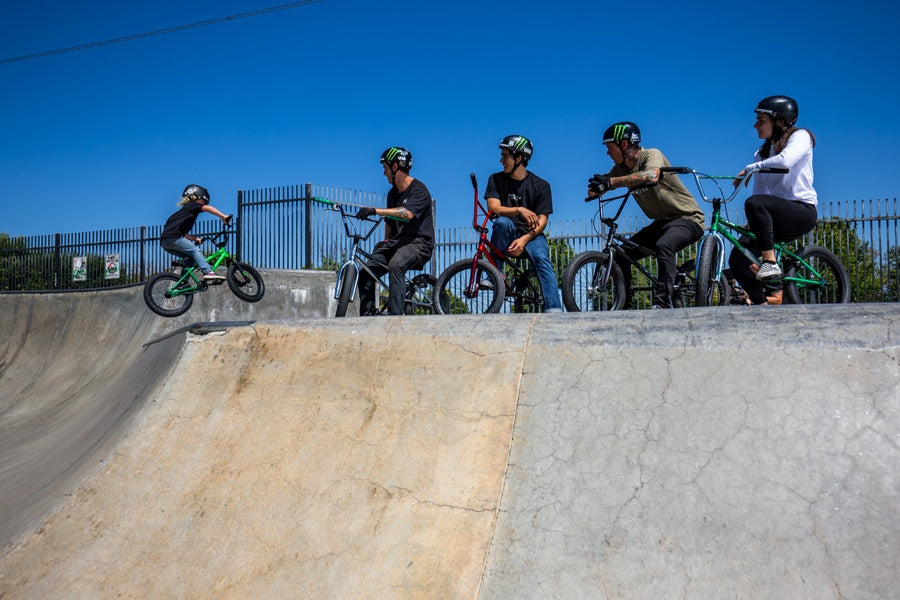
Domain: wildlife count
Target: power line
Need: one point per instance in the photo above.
(139, 36)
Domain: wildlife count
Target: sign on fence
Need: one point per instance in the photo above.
(79, 268)
(112, 266)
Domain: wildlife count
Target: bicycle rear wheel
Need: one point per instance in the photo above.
(245, 282)
(829, 284)
(582, 291)
(420, 295)
(711, 290)
(450, 291)
(159, 298)
(348, 280)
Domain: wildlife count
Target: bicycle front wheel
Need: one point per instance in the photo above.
(161, 295)
(826, 283)
(710, 289)
(348, 279)
(420, 295)
(452, 296)
(582, 288)
(245, 282)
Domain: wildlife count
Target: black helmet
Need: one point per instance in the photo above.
(195, 192)
(517, 145)
(396, 154)
(626, 130)
(780, 107)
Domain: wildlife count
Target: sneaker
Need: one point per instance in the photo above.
(486, 284)
(213, 276)
(767, 270)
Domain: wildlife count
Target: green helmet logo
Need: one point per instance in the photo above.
(399, 155)
(517, 145)
(626, 130)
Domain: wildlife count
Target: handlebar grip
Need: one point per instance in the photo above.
(474, 181)
(680, 170)
(774, 170)
(589, 199)
(324, 201)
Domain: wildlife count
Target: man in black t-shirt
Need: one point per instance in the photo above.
(407, 245)
(523, 203)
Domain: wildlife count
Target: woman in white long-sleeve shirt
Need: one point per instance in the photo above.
(782, 207)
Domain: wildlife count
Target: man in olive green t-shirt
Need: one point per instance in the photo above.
(677, 218)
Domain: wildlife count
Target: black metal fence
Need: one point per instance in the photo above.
(282, 228)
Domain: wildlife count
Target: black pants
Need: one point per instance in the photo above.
(399, 260)
(771, 219)
(665, 238)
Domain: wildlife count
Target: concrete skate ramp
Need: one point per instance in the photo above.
(74, 368)
(689, 454)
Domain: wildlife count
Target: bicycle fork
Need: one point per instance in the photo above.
(340, 278)
(720, 255)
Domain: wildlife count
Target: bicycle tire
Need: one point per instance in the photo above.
(450, 297)
(836, 284)
(419, 298)
(580, 292)
(348, 279)
(157, 298)
(529, 297)
(711, 291)
(245, 282)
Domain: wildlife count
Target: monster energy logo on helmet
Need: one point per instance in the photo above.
(626, 130)
(399, 155)
(517, 144)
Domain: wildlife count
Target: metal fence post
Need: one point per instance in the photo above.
(307, 234)
(240, 224)
(57, 263)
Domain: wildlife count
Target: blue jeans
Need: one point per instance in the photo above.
(188, 250)
(503, 234)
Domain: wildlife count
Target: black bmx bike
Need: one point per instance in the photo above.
(594, 281)
(418, 298)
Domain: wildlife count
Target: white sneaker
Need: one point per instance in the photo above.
(768, 270)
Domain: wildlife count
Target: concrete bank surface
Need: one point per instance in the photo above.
(702, 453)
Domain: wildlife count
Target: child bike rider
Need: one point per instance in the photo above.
(406, 245)
(176, 238)
(677, 218)
(522, 202)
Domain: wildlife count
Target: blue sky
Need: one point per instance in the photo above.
(108, 137)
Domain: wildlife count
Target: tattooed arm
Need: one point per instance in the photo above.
(631, 180)
(398, 213)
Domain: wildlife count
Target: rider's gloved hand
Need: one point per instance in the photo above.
(598, 184)
(365, 212)
(228, 218)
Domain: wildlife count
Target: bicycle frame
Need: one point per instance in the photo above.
(617, 244)
(487, 250)
(358, 256)
(722, 229)
(189, 282)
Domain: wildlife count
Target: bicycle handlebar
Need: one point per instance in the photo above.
(698, 176)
